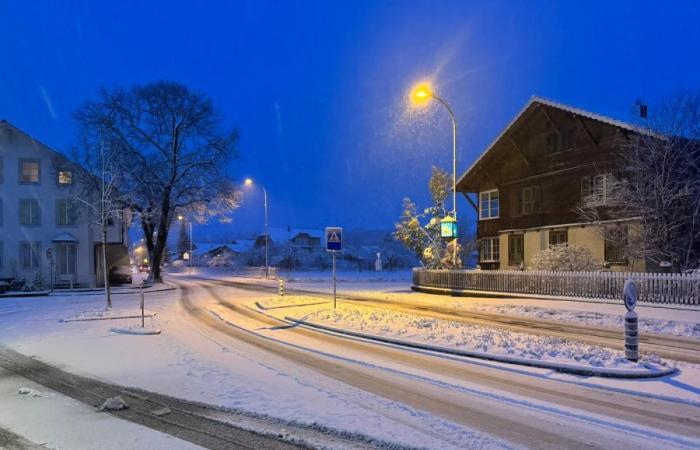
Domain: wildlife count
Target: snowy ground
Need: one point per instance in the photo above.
(54, 421)
(189, 362)
(395, 286)
(446, 333)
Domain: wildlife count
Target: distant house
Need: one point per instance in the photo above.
(308, 239)
(226, 251)
(44, 234)
(550, 159)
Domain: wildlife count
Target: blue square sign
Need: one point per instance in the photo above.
(334, 239)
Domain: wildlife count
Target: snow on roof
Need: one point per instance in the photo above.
(543, 101)
(285, 234)
(236, 247)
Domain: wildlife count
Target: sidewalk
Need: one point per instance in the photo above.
(46, 419)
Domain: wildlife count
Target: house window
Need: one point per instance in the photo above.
(557, 237)
(596, 189)
(489, 205)
(66, 214)
(553, 142)
(29, 171)
(490, 249)
(29, 212)
(530, 200)
(614, 246)
(29, 254)
(515, 249)
(65, 177)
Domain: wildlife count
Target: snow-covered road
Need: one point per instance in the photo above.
(522, 407)
(214, 349)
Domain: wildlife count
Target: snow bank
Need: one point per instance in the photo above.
(135, 330)
(459, 335)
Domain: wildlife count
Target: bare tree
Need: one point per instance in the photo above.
(652, 208)
(173, 152)
(95, 195)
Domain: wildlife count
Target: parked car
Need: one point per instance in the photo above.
(143, 268)
(120, 275)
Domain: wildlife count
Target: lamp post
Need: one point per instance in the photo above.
(420, 95)
(189, 262)
(249, 182)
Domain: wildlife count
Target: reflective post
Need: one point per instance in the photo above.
(631, 322)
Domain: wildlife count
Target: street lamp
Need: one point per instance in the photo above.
(248, 183)
(190, 258)
(420, 96)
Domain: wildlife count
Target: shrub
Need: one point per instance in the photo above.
(565, 257)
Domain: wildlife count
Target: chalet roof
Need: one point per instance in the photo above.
(280, 235)
(534, 100)
(238, 246)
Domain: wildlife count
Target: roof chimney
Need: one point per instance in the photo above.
(642, 109)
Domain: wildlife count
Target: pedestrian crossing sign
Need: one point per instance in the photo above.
(334, 239)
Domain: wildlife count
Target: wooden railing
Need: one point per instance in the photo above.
(652, 287)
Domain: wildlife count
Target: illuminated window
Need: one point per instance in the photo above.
(65, 177)
(29, 171)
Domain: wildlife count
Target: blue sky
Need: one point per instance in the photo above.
(318, 88)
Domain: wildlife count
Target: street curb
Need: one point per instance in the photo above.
(559, 367)
(489, 294)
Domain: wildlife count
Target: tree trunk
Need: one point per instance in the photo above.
(108, 291)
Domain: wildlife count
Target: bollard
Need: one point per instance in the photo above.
(143, 318)
(631, 336)
(631, 321)
(281, 287)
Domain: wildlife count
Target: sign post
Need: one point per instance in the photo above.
(49, 256)
(334, 244)
(631, 321)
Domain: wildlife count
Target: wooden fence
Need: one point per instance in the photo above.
(652, 287)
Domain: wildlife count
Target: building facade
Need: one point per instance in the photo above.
(528, 184)
(46, 237)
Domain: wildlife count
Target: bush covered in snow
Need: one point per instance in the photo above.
(564, 257)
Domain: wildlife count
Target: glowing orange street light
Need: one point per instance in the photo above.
(420, 95)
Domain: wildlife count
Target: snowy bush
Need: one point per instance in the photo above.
(565, 257)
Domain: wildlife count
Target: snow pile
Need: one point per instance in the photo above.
(470, 337)
(30, 392)
(113, 404)
(135, 330)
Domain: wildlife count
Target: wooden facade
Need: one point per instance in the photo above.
(540, 168)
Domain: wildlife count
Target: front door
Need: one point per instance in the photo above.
(515, 249)
(66, 261)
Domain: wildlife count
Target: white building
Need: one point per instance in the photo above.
(44, 234)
